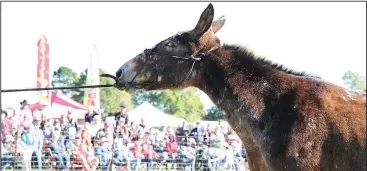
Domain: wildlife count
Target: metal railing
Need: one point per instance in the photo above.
(199, 161)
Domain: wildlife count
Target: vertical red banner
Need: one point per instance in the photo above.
(43, 79)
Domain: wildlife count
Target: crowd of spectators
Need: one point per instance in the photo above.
(36, 141)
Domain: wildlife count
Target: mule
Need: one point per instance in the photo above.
(287, 120)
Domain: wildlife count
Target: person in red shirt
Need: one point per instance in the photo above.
(136, 150)
(149, 155)
(6, 124)
(83, 157)
(171, 147)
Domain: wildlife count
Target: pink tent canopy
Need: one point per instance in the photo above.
(35, 106)
(60, 99)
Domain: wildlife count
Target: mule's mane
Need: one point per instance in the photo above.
(248, 59)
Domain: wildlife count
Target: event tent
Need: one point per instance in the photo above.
(61, 104)
(153, 116)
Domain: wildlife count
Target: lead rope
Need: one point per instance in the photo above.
(58, 88)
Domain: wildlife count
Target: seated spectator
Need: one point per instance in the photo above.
(202, 156)
(108, 130)
(137, 151)
(6, 152)
(103, 152)
(59, 150)
(38, 142)
(182, 132)
(152, 137)
(231, 137)
(6, 124)
(85, 139)
(108, 127)
(148, 155)
(217, 156)
(122, 155)
(141, 137)
(95, 126)
(142, 123)
(171, 132)
(187, 154)
(89, 116)
(161, 134)
(195, 132)
(203, 136)
(57, 125)
(47, 131)
(133, 129)
(171, 147)
(27, 144)
(83, 157)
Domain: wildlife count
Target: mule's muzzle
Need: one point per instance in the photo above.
(118, 73)
(126, 74)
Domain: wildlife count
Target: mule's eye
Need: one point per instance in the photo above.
(170, 44)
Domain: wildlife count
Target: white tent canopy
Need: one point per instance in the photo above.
(153, 116)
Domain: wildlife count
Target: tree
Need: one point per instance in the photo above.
(354, 81)
(81, 82)
(180, 103)
(213, 114)
(112, 98)
(64, 77)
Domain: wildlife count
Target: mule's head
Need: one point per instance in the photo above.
(172, 63)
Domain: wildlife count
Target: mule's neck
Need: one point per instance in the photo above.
(237, 81)
(240, 85)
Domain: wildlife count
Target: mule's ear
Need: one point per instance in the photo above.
(218, 24)
(205, 21)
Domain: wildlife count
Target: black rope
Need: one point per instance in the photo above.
(58, 88)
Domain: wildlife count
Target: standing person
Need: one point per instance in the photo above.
(90, 115)
(26, 112)
(122, 114)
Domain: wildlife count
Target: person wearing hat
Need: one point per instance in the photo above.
(103, 151)
(27, 113)
(122, 114)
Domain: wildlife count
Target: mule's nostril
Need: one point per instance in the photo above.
(118, 73)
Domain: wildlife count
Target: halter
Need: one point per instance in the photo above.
(196, 57)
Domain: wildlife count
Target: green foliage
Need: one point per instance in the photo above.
(213, 114)
(180, 103)
(65, 77)
(81, 82)
(111, 98)
(354, 81)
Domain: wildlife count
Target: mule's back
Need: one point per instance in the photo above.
(345, 143)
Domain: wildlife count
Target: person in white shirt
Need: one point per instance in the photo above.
(26, 112)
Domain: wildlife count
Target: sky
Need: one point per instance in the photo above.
(321, 38)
